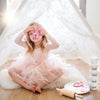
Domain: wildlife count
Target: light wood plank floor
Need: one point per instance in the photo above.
(23, 94)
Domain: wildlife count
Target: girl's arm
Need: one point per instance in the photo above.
(19, 41)
(53, 44)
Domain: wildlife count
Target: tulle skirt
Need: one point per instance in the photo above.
(52, 73)
(43, 74)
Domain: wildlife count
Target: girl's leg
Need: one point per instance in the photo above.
(21, 82)
(50, 78)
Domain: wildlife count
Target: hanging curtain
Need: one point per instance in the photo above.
(60, 20)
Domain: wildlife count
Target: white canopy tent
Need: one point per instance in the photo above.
(62, 19)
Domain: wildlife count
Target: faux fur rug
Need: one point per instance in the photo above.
(71, 75)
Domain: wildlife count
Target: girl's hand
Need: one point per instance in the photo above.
(43, 31)
(28, 29)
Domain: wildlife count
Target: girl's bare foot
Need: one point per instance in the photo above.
(31, 87)
(38, 89)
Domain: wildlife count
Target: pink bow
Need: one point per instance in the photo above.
(37, 31)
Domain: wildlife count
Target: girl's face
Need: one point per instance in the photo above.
(34, 36)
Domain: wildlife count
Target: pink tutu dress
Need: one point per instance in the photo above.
(38, 68)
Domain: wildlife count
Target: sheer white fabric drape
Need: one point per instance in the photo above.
(60, 20)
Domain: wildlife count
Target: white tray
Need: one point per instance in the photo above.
(69, 86)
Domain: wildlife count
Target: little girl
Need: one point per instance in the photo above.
(35, 70)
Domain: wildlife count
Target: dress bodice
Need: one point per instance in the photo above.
(38, 56)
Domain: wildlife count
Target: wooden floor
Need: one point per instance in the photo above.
(23, 94)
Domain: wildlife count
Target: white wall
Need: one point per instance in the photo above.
(93, 14)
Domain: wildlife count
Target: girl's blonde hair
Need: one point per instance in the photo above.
(31, 44)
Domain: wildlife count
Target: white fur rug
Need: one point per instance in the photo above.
(6, 81)
(71, 75)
